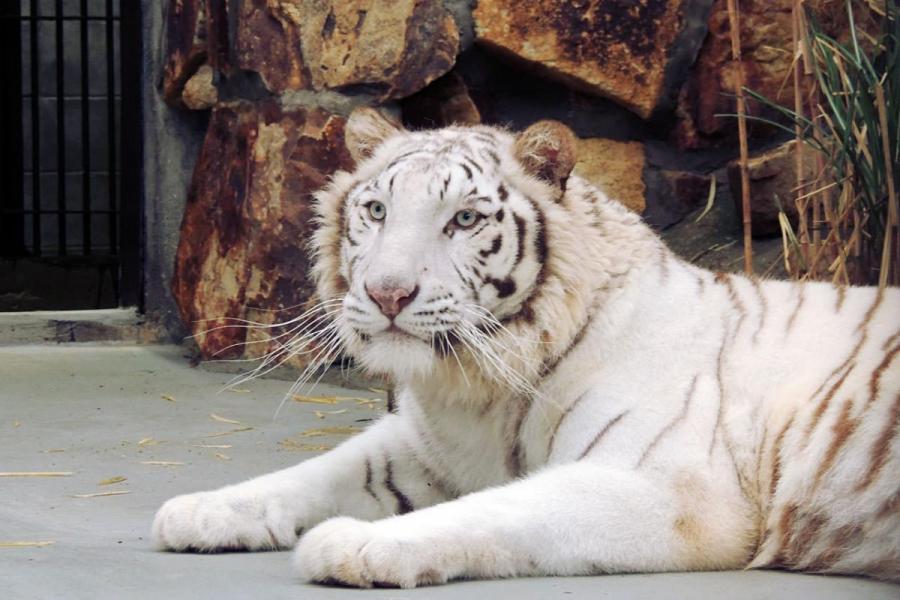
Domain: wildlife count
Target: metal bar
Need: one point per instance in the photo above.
(133, 72)
(12, 225)
(70, 171)
(60, 135)
(28, 211)
(111, 122)
(85, 137)
(77, 96)
(35, 138)
(47, 18)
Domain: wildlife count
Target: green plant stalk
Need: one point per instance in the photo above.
(856, 131)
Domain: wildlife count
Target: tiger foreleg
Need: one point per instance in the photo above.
(372, 475)
(575, 519)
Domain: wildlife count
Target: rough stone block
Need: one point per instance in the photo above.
(673, 195)
(773, 181)
(616, 168)
(631, 52)
(445, 102)
(390, 48)
(248, 217)
(200, 91)
(766, 50)
(196, 33)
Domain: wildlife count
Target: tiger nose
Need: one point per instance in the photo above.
(391, 299)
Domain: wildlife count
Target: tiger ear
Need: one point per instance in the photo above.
(547, 150)
(366, 129)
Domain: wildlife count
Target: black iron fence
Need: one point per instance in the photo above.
(71, 187)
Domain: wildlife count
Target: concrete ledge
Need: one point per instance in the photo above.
(83, 326)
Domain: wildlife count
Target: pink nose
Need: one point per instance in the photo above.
(391, 300)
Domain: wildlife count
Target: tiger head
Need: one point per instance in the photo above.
(438, 241)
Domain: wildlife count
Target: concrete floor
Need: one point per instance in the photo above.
(85, 409)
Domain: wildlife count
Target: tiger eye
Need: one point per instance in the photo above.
(377, 210)
(466, 218)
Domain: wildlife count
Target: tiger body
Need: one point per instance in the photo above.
(571, 397)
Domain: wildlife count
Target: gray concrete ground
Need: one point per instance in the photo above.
(104, 412)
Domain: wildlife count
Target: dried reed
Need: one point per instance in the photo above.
(847, 229)
(734, 23)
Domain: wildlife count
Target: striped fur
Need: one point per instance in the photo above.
(571, 397)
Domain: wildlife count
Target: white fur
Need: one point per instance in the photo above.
(682, 384)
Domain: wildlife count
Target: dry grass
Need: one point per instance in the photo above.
(345, 430)
(102, 494)
(113, 480)
(25, 544)
(847, 229)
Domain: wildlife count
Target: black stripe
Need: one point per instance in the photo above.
(474, 164)
(391, 402)
(540, 240)
(491, 154)
(467, 170)
(520, 231)
(466, 280)
(501, 191)
(549, 367)
(526, 313)
(495, 247)
(484, 138)
(401, 157)
(505, 287)
(499, 215)
(403, 504)
(368, 485)
(601, 434)
(514, 457)
(479, 230)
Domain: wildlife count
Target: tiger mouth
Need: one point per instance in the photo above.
(395, 331)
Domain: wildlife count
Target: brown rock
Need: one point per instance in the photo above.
(766, 50)
(773, 181)
(391, 48)
(248, 217)
(185, 45)
(445, 102)
(196, 33)
(673, 195)
(200, 92)
(608, 47)
(616, 168)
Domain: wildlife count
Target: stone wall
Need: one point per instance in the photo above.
(641, 84)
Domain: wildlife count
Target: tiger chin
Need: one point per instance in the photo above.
(571, 397)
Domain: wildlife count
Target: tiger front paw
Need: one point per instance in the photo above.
(351, 552)
(223, 520)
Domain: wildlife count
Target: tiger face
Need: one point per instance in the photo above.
(440, 239)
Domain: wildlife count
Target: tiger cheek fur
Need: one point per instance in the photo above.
(570, 397)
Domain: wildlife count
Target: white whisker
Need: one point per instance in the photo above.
(458, 362)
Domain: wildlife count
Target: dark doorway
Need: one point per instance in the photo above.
(70, 154)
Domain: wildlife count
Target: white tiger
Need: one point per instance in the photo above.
(572, 398)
